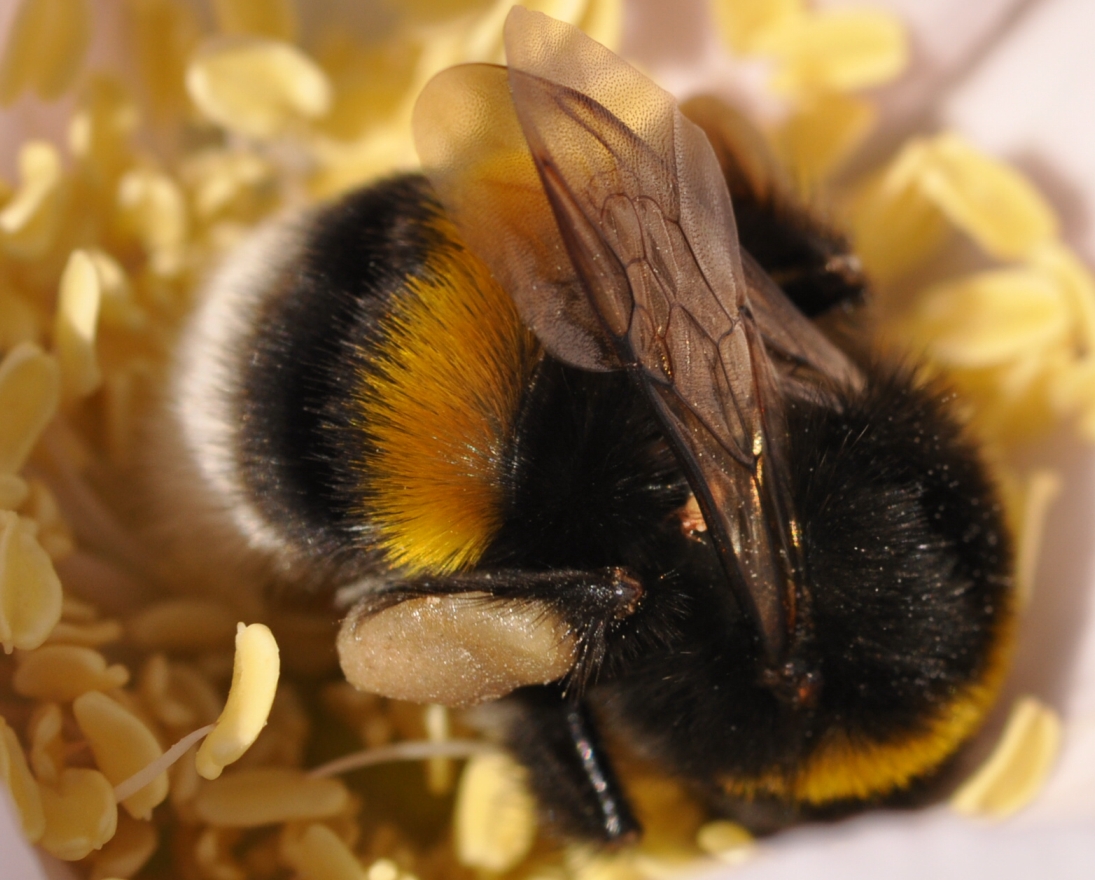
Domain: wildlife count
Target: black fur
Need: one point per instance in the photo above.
(907, 566)
(810, 262)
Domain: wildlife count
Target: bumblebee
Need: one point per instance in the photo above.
(547, 425)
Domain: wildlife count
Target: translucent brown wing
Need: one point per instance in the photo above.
(747, 163)
(474, 153)
(642, 270)
(809, 260)
(806, 360)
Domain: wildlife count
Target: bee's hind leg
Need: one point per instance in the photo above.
(570, 773)
(547, 727)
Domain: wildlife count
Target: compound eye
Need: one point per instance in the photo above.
(455, 650)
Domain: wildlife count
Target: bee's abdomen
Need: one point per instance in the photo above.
(909, 554)
(911, 600)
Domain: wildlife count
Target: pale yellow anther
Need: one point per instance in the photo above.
(122, 744)
(152, 209)
(101, 126)
(13, 491)
(248, 798)
(75, 324)
(178, 694)
(164, 34)
(319, 854)
(63, 672)
(257, 87)
(893, 224)
(989, 318)
(127, 851)
(183, 625)
(88, 635)
(30, 591)
(30, 219)
(214, 854)
(160, 694)
(81, 814)
(276, 19)
(744, 24)
(986, 198)
(727, 841)
(47, 745)
(46, 47)
(49, 525)
(1018, 767)
(1078, 286)
(233, 183)
(254, 683)
(383, 869)
(838, 50)
(117, 306)
(30, 392)
(495, 817)
(15, 775)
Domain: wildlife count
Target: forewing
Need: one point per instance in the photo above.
(647, 221)
(474, 153)
(747, 163)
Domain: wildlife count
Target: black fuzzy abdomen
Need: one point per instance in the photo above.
(908, 554)
(906, 604)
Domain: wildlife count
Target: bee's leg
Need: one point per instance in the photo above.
(569, 770)
(612, 592)
(547, 727)
(470, 637)
(587, 603)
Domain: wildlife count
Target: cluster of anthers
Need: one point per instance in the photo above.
(102, 239)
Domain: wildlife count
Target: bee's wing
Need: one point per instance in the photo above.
(748, 166)
(473, 151)
(652, 252)
(643, 268)
(805, 359)
(754, 178)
